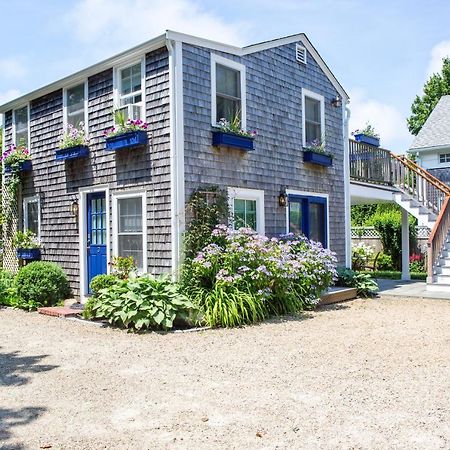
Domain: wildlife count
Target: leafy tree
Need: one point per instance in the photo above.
(437, 86)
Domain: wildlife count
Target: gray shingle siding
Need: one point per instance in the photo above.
(274, 108)
(58, 183)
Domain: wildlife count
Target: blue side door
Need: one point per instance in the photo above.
(96, 235)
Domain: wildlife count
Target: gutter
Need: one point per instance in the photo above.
(347, 201)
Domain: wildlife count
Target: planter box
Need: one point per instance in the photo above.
(370, 140)
(24, 166)
(29, 254)
(317, 158)
(220, 138)
(127, 140)
(79, 151)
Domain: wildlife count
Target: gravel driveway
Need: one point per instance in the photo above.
(364, 374)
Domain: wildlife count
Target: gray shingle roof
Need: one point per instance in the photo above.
(436, 130)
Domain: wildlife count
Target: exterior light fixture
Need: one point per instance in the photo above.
(74, 208)
(336, 102)
(282, 198)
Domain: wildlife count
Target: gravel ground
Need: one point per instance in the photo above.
(365, 374)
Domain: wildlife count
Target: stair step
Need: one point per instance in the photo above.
(442, 270)
(434, 287)
(441, 279)
(443, 262)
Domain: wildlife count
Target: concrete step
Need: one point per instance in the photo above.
(337, 294)
(443, 288)
(442, 270)
(443, 262)
(441, 279)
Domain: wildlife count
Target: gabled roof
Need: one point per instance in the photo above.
(435, 132)
(160, 41)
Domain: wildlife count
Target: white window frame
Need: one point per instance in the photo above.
(216, 59)
(309, 194)
(314, 96)
(115, 223)
(445, 155)
(28, 125)
(117, 84)
(26, 201)
(86, 104)
(248, 194)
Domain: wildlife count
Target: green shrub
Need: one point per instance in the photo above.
(7, 290)
(363, 282)
(140, 303)
(123, 266)
(101, 282)
(396, 275)
(384, 262)
(41, 283)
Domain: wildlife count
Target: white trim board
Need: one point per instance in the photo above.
(82, 230)
(86, 105)
(321, 99)
(25, 202)
(248, 194)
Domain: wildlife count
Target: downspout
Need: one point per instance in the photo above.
(347, 201)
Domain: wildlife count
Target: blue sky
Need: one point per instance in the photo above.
(382, 52)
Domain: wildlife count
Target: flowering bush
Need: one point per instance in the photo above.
(26, 239)
(282, 275)
(317, 146)
(417, 263)
(14, 155)
(72, 137)
(368, 130)
(124, 125)
(361, 255)
(234, 127)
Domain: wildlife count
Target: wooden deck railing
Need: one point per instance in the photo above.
(414, 180)
(370, 164)
(438, 237)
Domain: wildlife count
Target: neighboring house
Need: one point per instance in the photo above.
(432, 144)
(132, 202)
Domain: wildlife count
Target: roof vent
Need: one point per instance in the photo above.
(300, 53)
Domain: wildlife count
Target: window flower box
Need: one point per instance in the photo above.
(23, 166)
(75, 152)
(221, 138)
(130, 139)
(321, 159)
(365, 139)
(28, 254)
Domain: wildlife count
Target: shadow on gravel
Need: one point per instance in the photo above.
(293, 318)
(332, 307)
(15, 370)
(10, 418)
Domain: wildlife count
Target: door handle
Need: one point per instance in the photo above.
(88, 244)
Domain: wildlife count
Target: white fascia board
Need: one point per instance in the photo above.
(437, 148)
(80, 76)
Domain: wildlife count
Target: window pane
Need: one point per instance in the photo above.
(131, 245)
(295, 217)
(22, 138)
(312, 110)
(75, 99)
(227, 108)
(75, 119)
(21, 125)
(317, 222)
(130, 215)
(312, 132)
(32, 212)
(228, 81)
(244, 213)
(130, 79)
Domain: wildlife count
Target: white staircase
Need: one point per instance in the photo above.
(440, 280)
(424, 216)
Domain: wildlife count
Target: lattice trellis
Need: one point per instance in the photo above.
(11, 216)
(371, 233)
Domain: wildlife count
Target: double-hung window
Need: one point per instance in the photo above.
(130, 216)
(247, 208)
(21, 126)
(308, 215)
(228, 90)
(313, 117)
(31, 215)
(444, 158)
(130, 90)
(75, 106)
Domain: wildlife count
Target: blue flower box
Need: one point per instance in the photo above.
(317, 158)
(127, 140)
(79, 151)
(24, 166)
(29, 254)
(221, 138)
(370, 140)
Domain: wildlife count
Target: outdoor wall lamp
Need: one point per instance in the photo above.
(282, 198)
(336, 102)
(74, 208)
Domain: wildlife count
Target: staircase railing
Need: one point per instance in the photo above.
(428, 190)
(438, 237)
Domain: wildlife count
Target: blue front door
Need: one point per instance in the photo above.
(96, 235)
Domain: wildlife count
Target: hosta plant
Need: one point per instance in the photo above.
(140, 303)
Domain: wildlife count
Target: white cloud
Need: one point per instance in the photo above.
(11, 68)
(387, 120)
(114, 26)
(438, 52)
